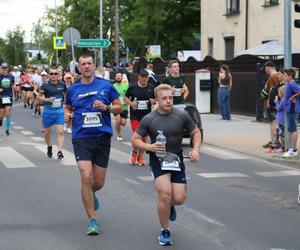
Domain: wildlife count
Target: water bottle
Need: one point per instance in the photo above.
(134, 100)
(161, 139)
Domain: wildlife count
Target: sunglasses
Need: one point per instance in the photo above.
(53, 74)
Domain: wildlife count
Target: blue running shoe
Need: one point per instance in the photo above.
(173, 214)
(165, 238)
(92, 228)
(96, 202)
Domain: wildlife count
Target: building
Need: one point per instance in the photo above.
(231, 26)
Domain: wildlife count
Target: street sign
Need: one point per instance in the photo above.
(71, 36)
(59, 43)
(83, 43)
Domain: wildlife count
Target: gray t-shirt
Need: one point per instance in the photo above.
(173, 126)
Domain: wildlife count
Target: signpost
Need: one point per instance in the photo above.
(71, 36)
(102, 43)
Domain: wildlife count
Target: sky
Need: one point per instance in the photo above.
(23, 13)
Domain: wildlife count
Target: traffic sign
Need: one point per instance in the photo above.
(59, 43)
(71, 36)
(83, 43)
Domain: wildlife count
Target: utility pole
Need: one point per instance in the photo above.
(117, 31)
(101, 33)
(56, 32)
(287, 58)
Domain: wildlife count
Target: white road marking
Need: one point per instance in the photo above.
(12, 159)
(12, 123)
(279, 173)
(201, 216)
(128, 143)
(221, 153)
(119, 156)
(27, 132)
(18, 127)
(222, 175)
(145, 178)
(132, 181)
(37, 138)
(68, 160)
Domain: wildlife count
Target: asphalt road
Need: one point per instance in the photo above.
(235, 201)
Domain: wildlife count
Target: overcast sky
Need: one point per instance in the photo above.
(24, 13)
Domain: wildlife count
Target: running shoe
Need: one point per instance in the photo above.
(133, 159)
(49, 151)
(267, 145)
(120, 138)
(7, 132)
(165, 238)
(140, 160)
(270, 150)
(290, 153)
(96, 203)
(92, 228)
(69, 131)
(60, 155)
(173, 214)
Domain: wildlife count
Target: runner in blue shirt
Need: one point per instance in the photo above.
(52, 93)
(91, 100)
(6, 95)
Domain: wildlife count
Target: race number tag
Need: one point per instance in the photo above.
(91, 119)
(26, 85)
(142, 105)
(56, 103)
(170, 165)
(6, 100)
(180, 106)
(177, 92)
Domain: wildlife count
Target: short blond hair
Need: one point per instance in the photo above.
(162, 87)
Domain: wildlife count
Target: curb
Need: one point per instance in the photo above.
(286, 162)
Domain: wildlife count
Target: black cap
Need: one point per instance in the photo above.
(270, 64)
(144, 72)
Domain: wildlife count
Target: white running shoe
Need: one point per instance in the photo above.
(120, 138)
(65, 127)
(69, 131)
(290, 153)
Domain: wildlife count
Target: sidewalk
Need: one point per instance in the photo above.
(242, 134)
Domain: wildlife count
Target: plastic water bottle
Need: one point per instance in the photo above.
(161, 139)
(134, 100)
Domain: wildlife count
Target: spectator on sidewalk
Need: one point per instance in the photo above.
(225, 85)
(269, 114)
(292, 108)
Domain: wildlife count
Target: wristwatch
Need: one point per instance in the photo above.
(108, 108)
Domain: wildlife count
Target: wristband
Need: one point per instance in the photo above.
(108, 108)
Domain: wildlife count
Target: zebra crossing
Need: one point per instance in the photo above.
(12, 158)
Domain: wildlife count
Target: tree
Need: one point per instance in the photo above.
(14, 49)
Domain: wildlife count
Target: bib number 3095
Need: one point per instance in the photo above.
(92, 119)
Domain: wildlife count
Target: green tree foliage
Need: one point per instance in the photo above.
(14, 52)
(169, 23)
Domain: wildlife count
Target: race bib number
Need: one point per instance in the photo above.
(177, 92)
(170, 165)
(26, 85)
(142, 105)
(6, 100)
(56, 103)
(92, 119)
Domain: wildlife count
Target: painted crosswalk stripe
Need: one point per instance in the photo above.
(279, 173)
(220, 153)
(68, 160)
(37, 138)
(222, 175)
(18, 127)
(119, 156)
(145, 178)
(12, 159)
(27, 132)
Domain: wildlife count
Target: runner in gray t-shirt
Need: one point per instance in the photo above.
(170, 184)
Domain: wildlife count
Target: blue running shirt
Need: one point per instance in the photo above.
(89, 122)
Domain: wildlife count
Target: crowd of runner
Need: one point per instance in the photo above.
(83, 104)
